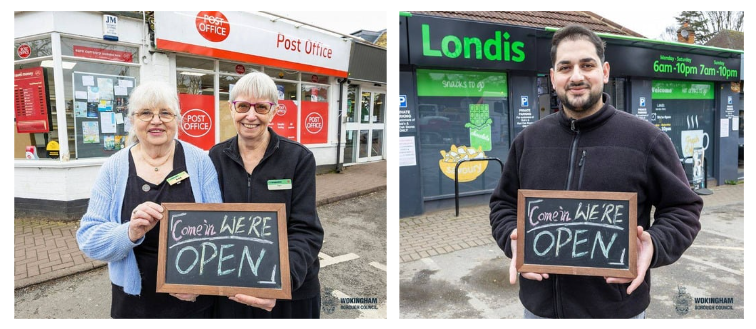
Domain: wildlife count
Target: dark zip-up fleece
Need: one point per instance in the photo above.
(608, 151)
(283, 159)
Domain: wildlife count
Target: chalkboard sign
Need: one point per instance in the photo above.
(224, 249)
(577, 232)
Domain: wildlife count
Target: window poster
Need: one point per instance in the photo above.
(91, 132)
(100, 103)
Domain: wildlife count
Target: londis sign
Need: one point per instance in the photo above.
(456, 43)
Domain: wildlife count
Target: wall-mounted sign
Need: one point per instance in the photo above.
(101, 53)
(445, 83)
(240, 69)
(32, 101)
(668, 89)
(635, 61)
(23, 51)
(212, 25)
(110, 27)
(227, 35)
(455, 43)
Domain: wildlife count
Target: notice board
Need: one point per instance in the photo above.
(100, 113)
(577, 232)
(224, 249)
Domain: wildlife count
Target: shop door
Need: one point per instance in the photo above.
(365, 125)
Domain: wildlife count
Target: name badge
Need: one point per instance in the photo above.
(177, 178)
(279, 184)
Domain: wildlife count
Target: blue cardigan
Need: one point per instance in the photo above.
(101, 235)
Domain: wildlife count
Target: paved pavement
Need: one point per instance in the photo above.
(440, 232)
(46, 250)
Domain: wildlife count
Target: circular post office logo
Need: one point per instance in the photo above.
(213, 25)
(314, 123)
(24, 51)
(196, 123)
(281, 110)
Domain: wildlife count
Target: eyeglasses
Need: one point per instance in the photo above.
(260, 107)
(147, 115)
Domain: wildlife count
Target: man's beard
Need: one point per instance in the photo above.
(579, 105)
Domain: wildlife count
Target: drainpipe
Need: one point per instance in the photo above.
(339, 165)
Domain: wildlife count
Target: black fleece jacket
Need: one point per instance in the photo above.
(283, 159)
(610, 151)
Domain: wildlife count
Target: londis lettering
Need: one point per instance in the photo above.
(497, 48)
(313, 48)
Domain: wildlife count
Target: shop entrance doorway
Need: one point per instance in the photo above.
(365, 125)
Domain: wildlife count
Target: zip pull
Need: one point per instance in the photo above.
(582, 159)
(572, 124)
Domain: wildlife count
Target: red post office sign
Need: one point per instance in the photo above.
(197, 125)
(314, 123)
(213, 25)
(284, 123)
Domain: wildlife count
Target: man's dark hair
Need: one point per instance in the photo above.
(576, 32)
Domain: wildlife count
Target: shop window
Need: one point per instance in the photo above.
(285, 123)
(379, 106)
(279, 73)
(314, 78)
(461, 115)
(351, 103)
(40, 139)
(314, 114)
(312, 93)
(194, 83)
(225, 113)
(237, 68)
(99, 105)
(685, 111)
(195, 63)
(99, 50)
(32, 48)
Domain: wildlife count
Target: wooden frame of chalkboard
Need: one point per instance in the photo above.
(228, 244)
(547, 225)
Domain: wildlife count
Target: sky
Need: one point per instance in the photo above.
(345, 22)
(649, 23)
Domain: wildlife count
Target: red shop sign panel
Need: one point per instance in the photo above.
(32, 101)
(284, 123)
(314, 123)
(197, 123)
(100, 53)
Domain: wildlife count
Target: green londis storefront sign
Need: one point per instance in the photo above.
(668, 89)
(444, 42)
(449, 83)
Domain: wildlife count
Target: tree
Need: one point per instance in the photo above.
(706, 24)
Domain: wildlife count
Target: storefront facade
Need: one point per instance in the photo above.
(467, 88)
(95, 60)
